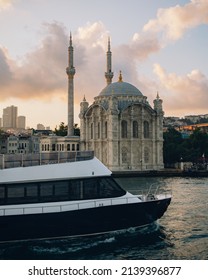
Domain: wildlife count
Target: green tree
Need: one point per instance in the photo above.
(172, 148)
(176, 148)
(197, 145)
(62, 130)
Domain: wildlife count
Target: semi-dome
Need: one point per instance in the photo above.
(120, 88)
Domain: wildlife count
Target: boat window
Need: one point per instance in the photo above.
(2, 193)
(31, 190)
(109, 188)
(46, 189)
(75, 191)
(61, 189)
(15, 194)
(90, 188)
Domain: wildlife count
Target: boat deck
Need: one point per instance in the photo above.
(23, 160)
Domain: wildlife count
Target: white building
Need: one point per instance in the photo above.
(124, 131)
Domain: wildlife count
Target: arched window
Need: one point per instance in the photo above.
(106, 129)
(135, 129)
(98, 131)
(91, 130)
(146, 129)
(68, 147)
(124, 129)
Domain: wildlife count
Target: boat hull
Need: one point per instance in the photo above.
(81, 222)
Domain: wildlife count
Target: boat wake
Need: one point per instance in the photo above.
(104, 246)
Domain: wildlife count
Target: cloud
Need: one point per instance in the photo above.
(5, 71)
(188, 92)
(42, 71)
(5, 4)
(173, 22)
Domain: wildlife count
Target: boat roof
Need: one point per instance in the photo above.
(55, 172)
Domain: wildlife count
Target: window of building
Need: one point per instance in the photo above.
(124, 129)
(73, 147)
(146, 129)
(135, 129)
(106, 129)
(68, 147)
(98, 130)
(91, 130)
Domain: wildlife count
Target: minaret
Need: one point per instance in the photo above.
(70, 71)
(158, 105)
(108, 73)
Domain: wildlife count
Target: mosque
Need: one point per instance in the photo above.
(123, 130)
(121, 127)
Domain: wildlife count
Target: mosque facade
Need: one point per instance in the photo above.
(121, 127)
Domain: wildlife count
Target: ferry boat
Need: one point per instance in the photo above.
(70, 199)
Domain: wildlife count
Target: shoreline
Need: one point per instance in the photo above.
(160, 173)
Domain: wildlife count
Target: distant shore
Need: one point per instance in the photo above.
(161, 173)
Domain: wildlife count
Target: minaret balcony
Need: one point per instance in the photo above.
(70, 71)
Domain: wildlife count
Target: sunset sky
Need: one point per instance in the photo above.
(158, 45)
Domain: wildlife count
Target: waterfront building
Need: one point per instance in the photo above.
(55, 143)
(124, 131)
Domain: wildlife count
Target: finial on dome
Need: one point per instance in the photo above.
(120, 78)
(158, 97)
(84, 99)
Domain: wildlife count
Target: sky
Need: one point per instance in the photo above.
(160, 46)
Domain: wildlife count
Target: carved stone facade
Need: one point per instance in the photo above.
(124, 131)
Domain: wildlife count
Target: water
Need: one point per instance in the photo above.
(182, 233)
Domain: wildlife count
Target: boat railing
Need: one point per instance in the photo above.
(40, 209)
(33, 159)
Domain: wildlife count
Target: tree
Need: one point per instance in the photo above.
(172, 149)
(193, 149)
(62, 130)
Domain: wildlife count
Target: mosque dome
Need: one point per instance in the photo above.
(120, 88)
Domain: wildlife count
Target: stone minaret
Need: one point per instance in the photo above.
(108, 73)
(70, 71)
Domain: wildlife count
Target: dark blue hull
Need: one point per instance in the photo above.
(81, 222)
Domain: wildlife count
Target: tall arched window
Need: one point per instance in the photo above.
(146, 129)
(91, 130)
(135, 129)
(124, 129)
(106, 129)
(98, 131)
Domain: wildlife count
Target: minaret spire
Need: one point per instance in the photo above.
(70, 71)
(109, 73)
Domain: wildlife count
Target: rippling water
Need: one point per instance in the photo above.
(182, 233)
